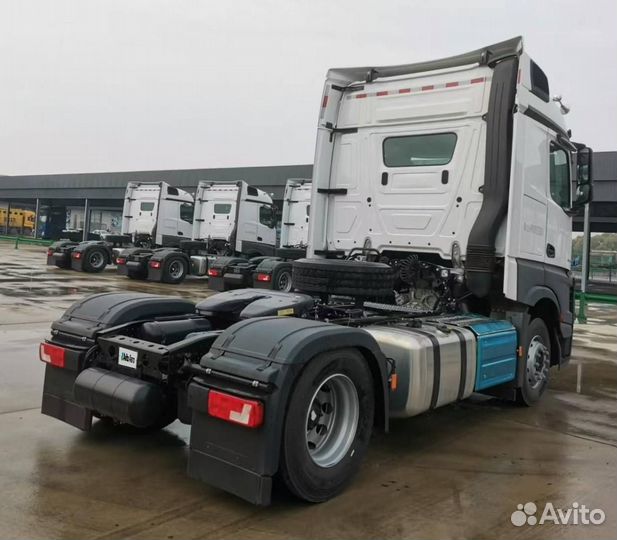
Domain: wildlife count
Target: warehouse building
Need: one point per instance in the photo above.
(78, 205)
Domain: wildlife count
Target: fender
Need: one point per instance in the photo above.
(84, 247)
(539, 292)
(262, 359)
(161, 255)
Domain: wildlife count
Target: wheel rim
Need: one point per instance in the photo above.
(96, 260)
(332, 420)
(538, 363)
(176, 269)
(284, 282)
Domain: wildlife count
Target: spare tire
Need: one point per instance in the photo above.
(344, 277)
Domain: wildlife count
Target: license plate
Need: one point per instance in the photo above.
(237, 270)
(127, 358)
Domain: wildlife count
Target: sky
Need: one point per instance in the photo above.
(121, 85)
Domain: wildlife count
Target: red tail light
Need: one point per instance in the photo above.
(155, 264)
(120, 260)
(76, 255)
(214, 272)
(264, 277)
(50, 252)
(52, 354)
(246, 412)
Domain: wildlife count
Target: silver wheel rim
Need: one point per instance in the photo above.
(176, 268)
(96, 260)
(332, 420)
(284, 282)
(538, 363)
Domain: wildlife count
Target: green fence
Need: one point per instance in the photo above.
(28, 241)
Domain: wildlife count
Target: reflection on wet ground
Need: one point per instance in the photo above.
(457, 472)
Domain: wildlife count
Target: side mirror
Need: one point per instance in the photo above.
(584, 190)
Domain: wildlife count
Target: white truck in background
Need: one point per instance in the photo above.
(154, 214)
(271, 272)
(229, 219)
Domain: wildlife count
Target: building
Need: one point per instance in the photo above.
(61, 202)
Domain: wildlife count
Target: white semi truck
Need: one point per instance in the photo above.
(154, 214)
(230, 219)
(271, 272)
(439, 266)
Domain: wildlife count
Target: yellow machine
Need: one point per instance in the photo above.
(19, 218)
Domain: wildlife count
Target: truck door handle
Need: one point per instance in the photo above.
(180, 233)
(444, 176)
(550, 251)
(259, 238)
(384, 178)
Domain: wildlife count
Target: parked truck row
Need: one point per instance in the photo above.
(167, 234)
(437, 266)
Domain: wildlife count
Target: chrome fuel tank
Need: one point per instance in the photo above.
(435, 364)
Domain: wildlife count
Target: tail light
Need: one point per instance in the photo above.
(50, 252)
(76, 255)
(120, 260)
(264, 277)
(234, 409)
(52, 354)
(214, 272)
(155, 264)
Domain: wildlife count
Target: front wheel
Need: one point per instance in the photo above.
(537, 351)
(328, 425)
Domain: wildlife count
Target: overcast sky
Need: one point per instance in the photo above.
(119, 85)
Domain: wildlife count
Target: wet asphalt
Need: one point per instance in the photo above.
(457, 472)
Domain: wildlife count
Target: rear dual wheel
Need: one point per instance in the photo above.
(328, 425)
(175, 270)
(95, 260)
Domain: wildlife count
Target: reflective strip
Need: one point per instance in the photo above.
(425, 88)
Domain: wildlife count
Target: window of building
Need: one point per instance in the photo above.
(419, 150)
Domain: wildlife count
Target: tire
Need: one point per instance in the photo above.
(344, 277)
(319, 472)
(95, 260)
(282, 279)
(175, 270)
(537, 349)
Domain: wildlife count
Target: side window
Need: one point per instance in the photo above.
(186, 212)
(146, 207)
(419, 150)
(250, 190)
(560, 176)
(265, 216)
(172, 191)
(539, 82)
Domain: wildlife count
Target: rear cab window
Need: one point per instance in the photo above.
(419, 150)
(222, 208)
(146, 206)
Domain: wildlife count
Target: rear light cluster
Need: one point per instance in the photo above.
(214, 272)
(120, 260)
(155, 264)
(234, 409)
(264, 277)
(52, 354)
(76, 255)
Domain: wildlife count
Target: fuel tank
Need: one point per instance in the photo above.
(435, 364)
